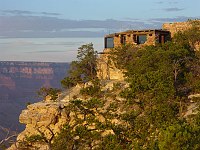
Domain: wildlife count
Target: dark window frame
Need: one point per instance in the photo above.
(107, 44)
(123, 39)
(139, 41)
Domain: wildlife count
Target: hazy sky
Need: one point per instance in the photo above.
(89, 18)
(105, 9)
(85, 18)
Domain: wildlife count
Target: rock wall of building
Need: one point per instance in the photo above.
(151, 39)
(181, 26)
(117, 41)
(177, 26)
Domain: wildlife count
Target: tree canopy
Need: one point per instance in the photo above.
(160, 78)
(84, 69)
(150, 113)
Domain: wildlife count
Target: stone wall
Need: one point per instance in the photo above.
(177, 26)
(150, 39)
(180, 26)
(107, 70)
(117, 40)
(129, 39)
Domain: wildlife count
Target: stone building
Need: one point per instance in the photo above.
(182, 26)
(178, 26)
(145, 37)
(107, 70)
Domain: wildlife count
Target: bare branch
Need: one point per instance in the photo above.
(7, 136)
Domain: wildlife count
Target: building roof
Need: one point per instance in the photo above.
(137, 32)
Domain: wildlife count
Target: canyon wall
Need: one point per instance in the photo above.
(19, 83)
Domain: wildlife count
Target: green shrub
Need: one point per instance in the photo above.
(52, 92)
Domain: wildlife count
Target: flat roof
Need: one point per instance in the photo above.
(137, 32)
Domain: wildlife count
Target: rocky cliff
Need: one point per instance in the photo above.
(47, 117)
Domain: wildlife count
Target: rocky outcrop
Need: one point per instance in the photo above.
(107, 69)
(40, 116)
(45, 118)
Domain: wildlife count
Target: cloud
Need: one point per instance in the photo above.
(174, 2)
(48, 51)
(16, 12)
(50, 14)
(66, 44)
(165, 2)
(175, 19)
(28, 26)
(157, 22)
(26, 13)
(46, 26)
(159, 2)
(172, 9)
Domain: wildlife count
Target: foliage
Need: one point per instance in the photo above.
(84, 68)
(67, 82)
(81, 135)
(151, 115)
(29, 142)
(189, 37)
(179, 136)
(93, 90)
(52, 92)
(122, 55)
(160, 77)
(28, 103)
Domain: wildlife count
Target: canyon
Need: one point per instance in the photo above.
(19, 83)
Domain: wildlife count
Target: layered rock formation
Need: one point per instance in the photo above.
(19, 83)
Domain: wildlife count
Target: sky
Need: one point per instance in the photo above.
(72, 19)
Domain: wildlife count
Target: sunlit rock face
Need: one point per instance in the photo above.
(47, 118)
(42, 117)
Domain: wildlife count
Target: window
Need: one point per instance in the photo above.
(162, 39)
(134, 38)
(123, 39)
(109, 42)
(141, 39)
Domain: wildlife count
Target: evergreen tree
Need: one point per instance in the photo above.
(84, 68)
